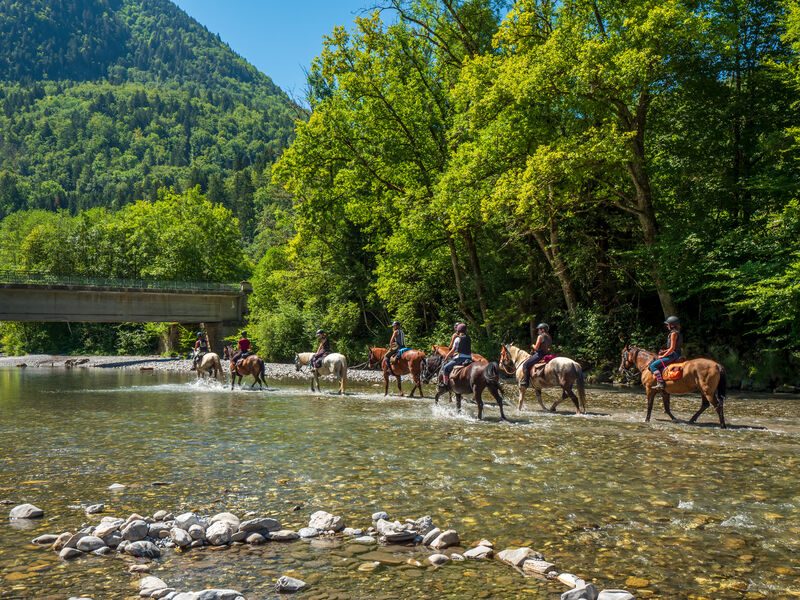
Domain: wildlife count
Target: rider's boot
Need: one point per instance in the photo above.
(660, 385)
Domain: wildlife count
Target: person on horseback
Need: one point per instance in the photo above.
(538, 350)
(323, 349)
(671, 354)
(244, 348)
(396, 342)
(200, 348)
(461, 353)
(454, 336)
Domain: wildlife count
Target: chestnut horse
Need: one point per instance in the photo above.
(409, 362)
(699, 375)
(473, 379)
(251, 365)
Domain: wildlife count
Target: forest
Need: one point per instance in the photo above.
(592, 164)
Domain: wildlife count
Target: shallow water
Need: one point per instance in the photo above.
(687, 511)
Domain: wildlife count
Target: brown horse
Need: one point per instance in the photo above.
(699, 375)
(409, 362)
(251, 365)
(444, 350)
(473, 379)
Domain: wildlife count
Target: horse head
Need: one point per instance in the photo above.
(506, 362)
(629, 356)
(297, 364)
(431, 366)
(372, 361)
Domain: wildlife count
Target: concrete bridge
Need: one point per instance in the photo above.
(35, 297)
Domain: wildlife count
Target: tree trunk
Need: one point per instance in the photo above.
(462, 302)
(480, 288)
(552, 253)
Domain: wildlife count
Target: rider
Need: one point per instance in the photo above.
(538, 350)
(672, 352)
(200, 348)
(461, 352)
(396, 342)
(244, 348)
(454, 336)
(323, 349)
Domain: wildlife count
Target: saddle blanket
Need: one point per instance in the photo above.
(539, 366)
(402, 351)
(673, 372)
(457, 369)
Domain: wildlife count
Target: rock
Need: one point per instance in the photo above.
(95, 508)
(134, 517)
(486, 543)
(186, 520)
(516, 556)
(308, 532)
(364, 539)
(116, 487)
(349, 531)
(163, 593)
(26, 511)
(70, 553)
(180, 537)
(397, 537)
(431, 535)
(445, 540)
(227, 517)
(139, 568)
(262, 524)
(160, 515)
(197, 544)
(135, 531)
(219, 533)
(113, 539)
(456, 556)
(103, 551)
(45, 540)
(588, 592)
(380, 515)
(155, 530)
(254, 538)
(90, 543)
(286, 584)
(539, 567)
(197, 532)
(324, 521)
(218, 595)
(284, 535)
(423, 525)
(438, 560)
(106, 528)
(479, 552)
(61, 541)
(151, 583)
(72, 542)
(568, 579)
(369, 566)
(143, 549)
(122, 545)
(239, 536)
(615, 595)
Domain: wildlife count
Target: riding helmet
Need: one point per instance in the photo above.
(457, 325)
(395, 323)
(199, 333)
(244, 334)
(320, 332)
(461, 328)
(544, 326)
(673, 320)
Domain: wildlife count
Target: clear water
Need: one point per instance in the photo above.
(686, 511)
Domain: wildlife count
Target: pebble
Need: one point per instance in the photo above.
(143, 549)
(540, 567)
(568, 579)
(139, 568)
(516, 556)
(115, 487)
(69, 553)
(479, 552)
(380, 515)
(90, 543)
(180, 537)
(135, 531)
(286, 584)
(349, 531)
(26, 511)
(255, 538)
(369, 566)
(262, 524)
(107, 528)
(438, 559)
(308, 532)
(219, 533)
(455, 556)
(44, 540)
(364, 539)
(324, 520)
(61, 541)
(151, 583)
(160, 515)
(197, 532)
(95, 508)
(284, 535)
(615, 595)
(588, 592)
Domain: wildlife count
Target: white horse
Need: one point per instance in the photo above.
(560, 372)
(333, 364)
(209, 365)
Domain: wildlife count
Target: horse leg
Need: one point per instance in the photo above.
(559, 401)
(477, 392)
(458, 403)
(574, 399)
(665, 398)
(400, 386)
(521, 397)
(538, 392)
(703, 406)
(719, 403)
(499, 398)
(651, 395)
(721, 413)
(385, 383)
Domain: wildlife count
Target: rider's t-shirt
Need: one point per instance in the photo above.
(244, 344)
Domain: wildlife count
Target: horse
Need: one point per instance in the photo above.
(251, 365)
(210, 365)
(433, 364)
(473, 379)
(409, 362)
(560, 372)
(699, 375)
(333, 364)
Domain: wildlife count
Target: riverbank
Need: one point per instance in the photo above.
(159, 363)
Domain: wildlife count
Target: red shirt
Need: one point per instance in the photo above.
(244, 344)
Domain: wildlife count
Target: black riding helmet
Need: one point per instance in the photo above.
(395, 323)
(673, 320)
(199, 334)
(544, 326)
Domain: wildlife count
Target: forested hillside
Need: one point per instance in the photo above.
(103, 102)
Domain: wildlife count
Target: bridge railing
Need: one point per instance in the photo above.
(11, 276)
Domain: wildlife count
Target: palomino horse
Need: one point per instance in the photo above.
(251, 365)
(560, 372)
(333, 364)
(410, 362)
(209, 365)
(473, 379)
(699, 375)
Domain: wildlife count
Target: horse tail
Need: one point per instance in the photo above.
(722, 386)
(343, 367)
(581, 389)
(492, 374)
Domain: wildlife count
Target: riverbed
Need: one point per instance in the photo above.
(670, 510)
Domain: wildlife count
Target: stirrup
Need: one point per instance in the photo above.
(660, 385)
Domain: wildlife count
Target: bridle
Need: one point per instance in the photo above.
(629, 358)
(502, 362)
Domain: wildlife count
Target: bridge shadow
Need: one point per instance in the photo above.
(128, 363)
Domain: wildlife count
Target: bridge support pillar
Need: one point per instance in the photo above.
(217, 332)
(169, 340)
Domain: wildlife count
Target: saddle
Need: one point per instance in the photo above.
(673, 372)
(457, 369)
(538, 369)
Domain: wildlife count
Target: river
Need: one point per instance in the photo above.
(672, 510)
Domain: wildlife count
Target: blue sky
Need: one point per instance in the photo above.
(279, 37)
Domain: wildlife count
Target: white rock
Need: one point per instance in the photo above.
(197, 532)
(568, 579)
(540, 567)
(367, 540)
(107, 527)
(135, 531)
(90, 543)
(438, 559)
(219, 533)
(180, 537)
(486, 543)
(380, 515)
(44, 540)
(70, 553)
(260, 524)
(516, 556)
(160, 515)
(456, 556)
(324, 521)
(218, 595)
(151, 583)
(286, 584)
(588, 592)
(163, 593)
(445, 540)
(615, 595)
(308, 532)
(95, 508)
(431, 535)
(186, 520)
(479, 552)
(26, 511)
(423, 525)
(349, 531)
(143, 549)
(116, 487)
(230, 518)
(254, 538)
(284, 535)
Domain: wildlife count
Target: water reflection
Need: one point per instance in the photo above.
(683, 511)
